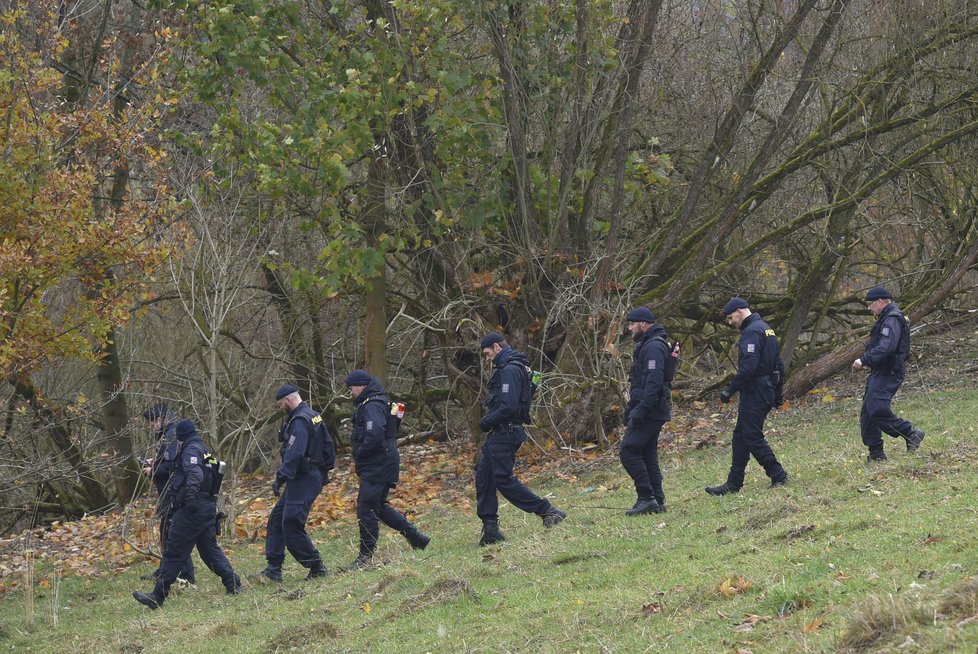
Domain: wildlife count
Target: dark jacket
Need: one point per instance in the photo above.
(294, 436)
(167, 449)
(889, 341)
(760, 370)
(648, 391)
(506, 386)
(190, 481)
(374, 447)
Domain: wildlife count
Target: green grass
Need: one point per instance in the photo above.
(846, 558)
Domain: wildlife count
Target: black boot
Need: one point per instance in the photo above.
(362, 562)
(553, 517)
(234, 589)
(723, 489)
(418, 540)
(783, 481)
(317, 570)
(147, 600)
(490, 533)
(272, 573)
(875, 457)
(914, 439)
(643, 506)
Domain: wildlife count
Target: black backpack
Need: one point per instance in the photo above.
(528, 390)
(320, 451)
(672, 360)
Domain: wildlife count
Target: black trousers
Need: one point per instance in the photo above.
(193, 525)
(876, 416)
(166, 516)
(748, 440)
(640, 458)
(372, 509)
(494, 472)
(286, 529)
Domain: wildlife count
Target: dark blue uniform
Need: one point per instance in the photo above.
(167, 451)
(760, 372)
(647, 411)
(885, 354)
(303, 482)
(504, 424)
(194, 523)
(378, 464)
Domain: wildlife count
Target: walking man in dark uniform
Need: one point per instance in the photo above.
(507, 410)
(759, 379)
(647, 411)
(160, 469)
(378, 462)
(194, 522)
(885, 354)
(304, 448)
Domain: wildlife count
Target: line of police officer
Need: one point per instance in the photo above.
(307, 449)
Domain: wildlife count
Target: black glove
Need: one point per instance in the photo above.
(276, 487)
(725, 396)
(778, 400)
(484, 424)
(637, 415)
(189, 503)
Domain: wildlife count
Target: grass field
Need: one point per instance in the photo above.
(847, 557)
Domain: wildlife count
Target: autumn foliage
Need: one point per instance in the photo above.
(74, 257)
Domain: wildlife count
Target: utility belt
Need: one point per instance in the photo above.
(890, 372)
(506, 426)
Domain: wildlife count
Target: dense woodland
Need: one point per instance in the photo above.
(202, 199)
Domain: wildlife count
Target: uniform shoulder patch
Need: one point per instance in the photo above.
(505, 388)
(651, 364)
(769, 332)
(317, 419)
(193, 460)
(750, 347)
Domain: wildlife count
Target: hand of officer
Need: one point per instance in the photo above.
(484, 424)
(277, 487)
(778, 401)
(857, 364)
(725, 396)
(190, 504)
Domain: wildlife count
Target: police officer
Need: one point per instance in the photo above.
(303, 481)
(759, 379)
(885, 353)
(377, 462)
(160, 468)
(647, 411)
(194, 519)
(507, 409)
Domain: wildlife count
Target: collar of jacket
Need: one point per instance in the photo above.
(370, 390)
(749, 319)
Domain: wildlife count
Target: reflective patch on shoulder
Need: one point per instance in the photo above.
(505, 388)
(651, 364)
(886, 331)
(769, 332)
(370, 425)
(317, 419)
(193, 459)
(750, 347)
(291, 440)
